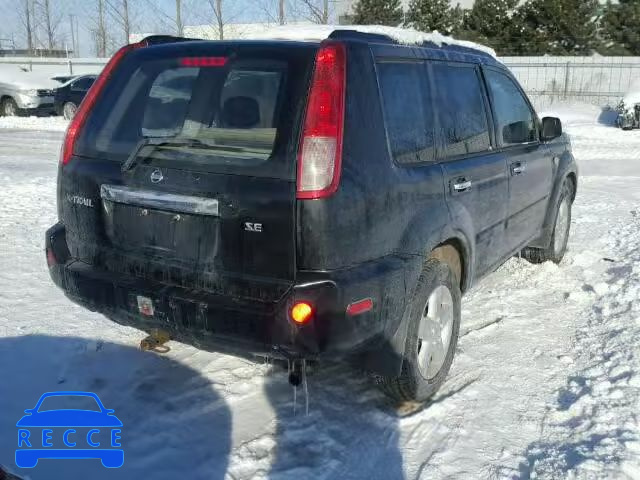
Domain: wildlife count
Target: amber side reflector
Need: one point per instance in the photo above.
(361, 306)
(301, 312)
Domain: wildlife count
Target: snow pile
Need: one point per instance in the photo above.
(580, 114)
(53, 124)
(633, 95)
(405, 36)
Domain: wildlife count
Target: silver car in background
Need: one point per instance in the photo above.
(26, 98)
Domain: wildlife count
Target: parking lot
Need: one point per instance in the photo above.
(547, 357)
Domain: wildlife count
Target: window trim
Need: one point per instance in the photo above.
(536, 120)
(377, 60)
(487, 111)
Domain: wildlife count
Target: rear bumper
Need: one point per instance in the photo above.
(243, 326)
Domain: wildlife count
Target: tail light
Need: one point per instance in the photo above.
(73, 131)
(320, 155)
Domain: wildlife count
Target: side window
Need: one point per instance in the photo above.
(514, 119)
(462, 119)
(406, 101)
(83, 84)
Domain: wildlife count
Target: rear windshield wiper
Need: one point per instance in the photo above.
(156, 142)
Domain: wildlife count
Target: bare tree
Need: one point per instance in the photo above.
(281, 12)
(27, 20)
(48, 23)
(179, 25)
(217, 13)
(316, 11)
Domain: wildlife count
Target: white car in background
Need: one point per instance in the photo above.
(26, 93)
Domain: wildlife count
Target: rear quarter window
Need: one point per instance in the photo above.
(406, 97)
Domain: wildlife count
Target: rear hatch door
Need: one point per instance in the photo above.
(191, 152)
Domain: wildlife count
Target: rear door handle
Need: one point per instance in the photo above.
(460, 185)
(517, 168)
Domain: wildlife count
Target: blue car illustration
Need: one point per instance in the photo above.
(69, 433)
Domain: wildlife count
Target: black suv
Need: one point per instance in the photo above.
(302, 200)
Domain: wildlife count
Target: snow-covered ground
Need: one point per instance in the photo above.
(546, 382)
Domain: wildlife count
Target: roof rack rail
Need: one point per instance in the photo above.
(160, 39)
(346, 34)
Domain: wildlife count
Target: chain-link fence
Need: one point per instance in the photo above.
(600, 81)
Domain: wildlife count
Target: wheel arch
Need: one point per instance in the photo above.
(454, 252)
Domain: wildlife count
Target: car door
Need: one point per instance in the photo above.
(475, 175)
(79, 90)
(530, 162)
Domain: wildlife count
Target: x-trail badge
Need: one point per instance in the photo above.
(156, 176)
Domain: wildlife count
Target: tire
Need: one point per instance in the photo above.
(10, 108)
(560, 237)
(422, 374)
(69, 110)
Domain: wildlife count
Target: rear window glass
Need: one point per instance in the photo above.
(406, 97)
(462, 120)
(229, 115)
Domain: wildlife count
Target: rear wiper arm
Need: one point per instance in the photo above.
(144, 142)
(157, 142)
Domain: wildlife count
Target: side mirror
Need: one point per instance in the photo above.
(551, 128)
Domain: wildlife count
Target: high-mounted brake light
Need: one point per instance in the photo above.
(320, 153)
(74, 128)
(203, 61)
(301, 312)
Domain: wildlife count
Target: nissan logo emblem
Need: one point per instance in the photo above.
(156, 176)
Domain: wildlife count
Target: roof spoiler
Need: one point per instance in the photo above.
(161, 39)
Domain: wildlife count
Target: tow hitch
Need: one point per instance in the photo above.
(297, 369)
(155, 342)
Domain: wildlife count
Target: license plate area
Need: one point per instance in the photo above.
(145, 306)
(184, 236)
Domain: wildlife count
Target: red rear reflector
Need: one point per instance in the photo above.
(74, 128)
(320, 149)
(361, 306)
(203, 61)
(51, 258)
(301, 312)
